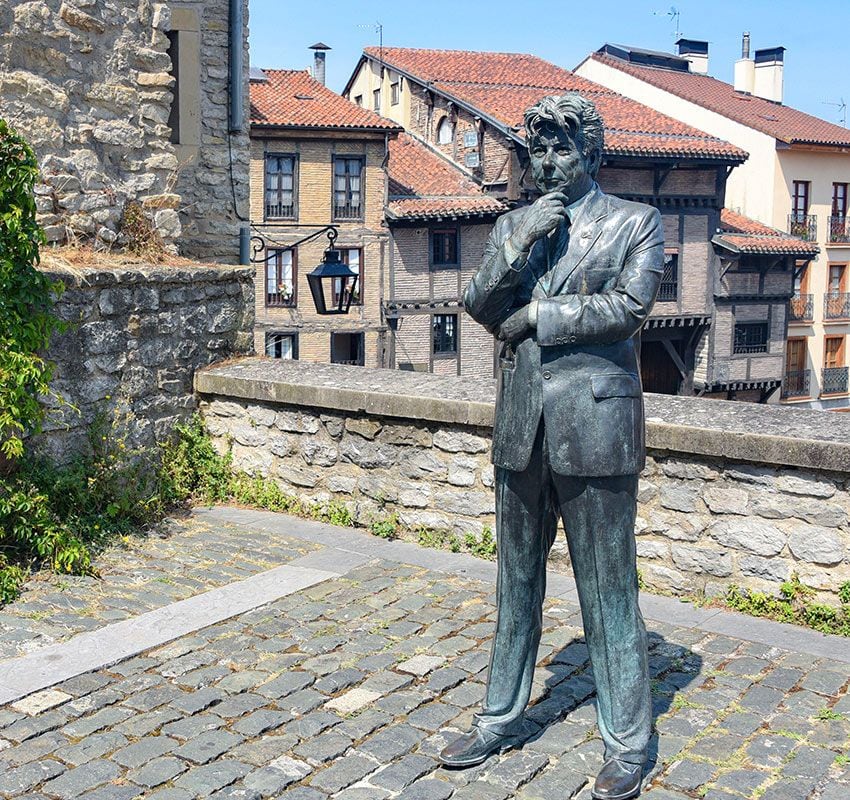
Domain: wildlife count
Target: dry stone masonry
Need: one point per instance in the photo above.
(90, 84)
(718, 504)
(136, 336)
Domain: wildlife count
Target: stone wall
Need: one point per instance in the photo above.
(90, 85)
(135, 337)
(732, 493)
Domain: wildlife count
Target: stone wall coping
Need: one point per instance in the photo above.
(768, 434)
(125, 275)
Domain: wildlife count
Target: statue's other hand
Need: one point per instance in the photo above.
(516, 326)
(542, 217)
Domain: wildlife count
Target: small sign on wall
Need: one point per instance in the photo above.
(470, 139)
(471, 159)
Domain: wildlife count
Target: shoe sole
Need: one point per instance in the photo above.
(627, 796)
(474, 762)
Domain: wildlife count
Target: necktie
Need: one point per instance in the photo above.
(553, 251)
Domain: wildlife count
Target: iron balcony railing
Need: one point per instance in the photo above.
(280, 211)
(801, 308)
(796, 383)
(834, 380)
(836, 305)
(351, 362)
(286, 297)
(838, 229)
(803, 225)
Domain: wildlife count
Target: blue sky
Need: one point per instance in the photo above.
(815, 33)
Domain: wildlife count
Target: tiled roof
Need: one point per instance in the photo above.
(424, 185)
(292, 98)
(786, 124)
(504, 85)
(745, 235)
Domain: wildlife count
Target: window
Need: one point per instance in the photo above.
(444, 249)
(839, 200)
(750, 337)
(801, 279)
(359, 100)
(835, 279)
(174, 114)
(348, 188)
(833, 352)
(376, 100)
(444, 329)
(394, 93)
(669, 289)
(353, 257)
(445, 131)
(281, 285)
(282, 345)
(801, 198)
(347, 348)
(280, 186)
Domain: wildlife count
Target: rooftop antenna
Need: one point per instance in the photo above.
(378, 28)
(676, 18)
(842, 109)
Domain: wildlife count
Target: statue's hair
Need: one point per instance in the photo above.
(574, 113)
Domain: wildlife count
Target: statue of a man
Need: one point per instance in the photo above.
(566, 283)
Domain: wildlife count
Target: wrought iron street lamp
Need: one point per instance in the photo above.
(333, 284)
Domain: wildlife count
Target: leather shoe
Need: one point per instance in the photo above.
(474, 747)
(617, 780)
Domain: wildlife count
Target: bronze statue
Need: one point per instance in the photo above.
(567, 283)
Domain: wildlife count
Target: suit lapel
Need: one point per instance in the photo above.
(584, 233)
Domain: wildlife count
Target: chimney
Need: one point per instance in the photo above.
(696, 54)
(745, 68)
(319, 61)
(769, 65)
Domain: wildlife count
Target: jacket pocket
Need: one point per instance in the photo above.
(622, 385)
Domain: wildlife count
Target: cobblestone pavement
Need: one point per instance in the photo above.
(182, 558)
(350, 688)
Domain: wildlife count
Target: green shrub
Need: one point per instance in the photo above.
(192, 469)
(385, 528)
(26, 298)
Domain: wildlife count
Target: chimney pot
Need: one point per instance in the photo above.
(769, 66)
(745, 45)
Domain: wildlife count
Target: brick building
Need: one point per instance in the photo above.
(133, 103)
(316, 160)
(468, 107)
(796, 180)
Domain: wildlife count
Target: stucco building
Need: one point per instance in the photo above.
(796, 179)
(317, 160)
(143, 103)
(468, 108)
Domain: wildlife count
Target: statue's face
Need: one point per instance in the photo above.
(557, 163)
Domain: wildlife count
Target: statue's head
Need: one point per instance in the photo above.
(565, 135)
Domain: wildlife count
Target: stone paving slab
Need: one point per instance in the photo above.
(179, 559)
(349, 688)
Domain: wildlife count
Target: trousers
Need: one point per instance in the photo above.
(598, 515)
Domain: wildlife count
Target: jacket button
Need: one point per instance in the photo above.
(547, 375)
(572, 338)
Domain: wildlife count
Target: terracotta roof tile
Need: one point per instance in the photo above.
(747, 235)
(423, 184)
(292, 98)
(504, 85)
(786, 124)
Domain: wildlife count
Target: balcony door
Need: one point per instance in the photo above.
(801, 199)
(796, 380)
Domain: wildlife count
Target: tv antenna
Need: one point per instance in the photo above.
(675, 17)
(842, 109)
(378, 28)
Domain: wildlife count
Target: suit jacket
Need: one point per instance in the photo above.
(580, 369)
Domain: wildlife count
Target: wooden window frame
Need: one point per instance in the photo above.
(395, 93)
(442, 231)
(376, 101)
(842, 281)
(295, 163)
(835, 211)
(805, 274)
(841, 357)
(291, 334)
(807, 196)
(445, 120)
(334, 208)
(437, 354)
(344, 255)
(293, 302)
